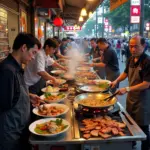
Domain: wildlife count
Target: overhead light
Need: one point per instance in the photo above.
(80, 18)
(90, 14)
(83, 12)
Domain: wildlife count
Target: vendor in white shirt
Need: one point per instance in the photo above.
(35, 72)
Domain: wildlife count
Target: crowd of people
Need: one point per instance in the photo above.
(21, 87)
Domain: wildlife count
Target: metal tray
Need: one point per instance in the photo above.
(92, 88)
(93, 96)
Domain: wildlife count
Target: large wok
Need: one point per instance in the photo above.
(94, 97)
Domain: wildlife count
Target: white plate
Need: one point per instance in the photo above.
(65, 107)
(57, 72)
(56, 101)
(33, 126)
(61, 81)
(55, 90)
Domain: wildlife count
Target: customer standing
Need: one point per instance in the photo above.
(118, 48)
(138, 73)
(14, 96)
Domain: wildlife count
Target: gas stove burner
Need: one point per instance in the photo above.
(94, 112)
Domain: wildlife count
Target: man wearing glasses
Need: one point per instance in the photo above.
(138, 98)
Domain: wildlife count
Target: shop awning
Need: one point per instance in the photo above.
(70, 9)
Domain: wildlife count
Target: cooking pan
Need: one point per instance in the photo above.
(94, 100)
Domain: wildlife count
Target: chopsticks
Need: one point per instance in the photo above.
(110, 97)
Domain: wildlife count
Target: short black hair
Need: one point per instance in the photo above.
(23, 38)
(71, 39)
(93, 39)
(36, 41)
(102, 40)
(64, 39)
(57, 39)
(51, 43)
(142, 41)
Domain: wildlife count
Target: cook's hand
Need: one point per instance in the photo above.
(56, 82)
(35, 100)
(65, 68)
(122, 91)
(94, 60)
(113, 84)
(91, 65)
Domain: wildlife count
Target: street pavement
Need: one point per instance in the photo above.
(122, 99)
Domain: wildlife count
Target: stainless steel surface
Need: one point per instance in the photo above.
(136, 133)
(73, 135)
(93, 96)
(92, 88)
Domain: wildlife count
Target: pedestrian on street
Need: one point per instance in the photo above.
(138, 98)
(118, 48)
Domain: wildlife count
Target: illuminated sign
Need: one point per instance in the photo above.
(135, 19)
(135, 2)
(147, 26)
(135, 11)
(72, 28)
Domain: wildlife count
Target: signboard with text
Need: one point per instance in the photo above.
(135, 11)
(72, 28)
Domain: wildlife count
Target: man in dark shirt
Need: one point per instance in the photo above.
(14, 96)
(108, 59)
(138, 98)
(63, 46)
(95, 53)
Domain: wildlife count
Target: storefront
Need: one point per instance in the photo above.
(43, 27)
(14, 18)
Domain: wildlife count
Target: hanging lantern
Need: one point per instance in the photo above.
(58, 21)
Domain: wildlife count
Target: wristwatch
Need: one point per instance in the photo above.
(127, 89)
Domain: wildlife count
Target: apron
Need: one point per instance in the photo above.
(15, 121)
(138, 102)
(112, 76)
(99, 70)
(36, 88)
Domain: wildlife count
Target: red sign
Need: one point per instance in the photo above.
(135, 10)
(72, 28)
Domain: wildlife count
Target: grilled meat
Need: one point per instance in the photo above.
(94, 132)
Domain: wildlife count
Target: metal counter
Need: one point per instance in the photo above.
(73, 134)
(72, 141)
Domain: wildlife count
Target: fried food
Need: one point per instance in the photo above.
(104, 127)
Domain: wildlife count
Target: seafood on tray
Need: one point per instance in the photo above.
(104, 127)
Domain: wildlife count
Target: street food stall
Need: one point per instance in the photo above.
(87, 121)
